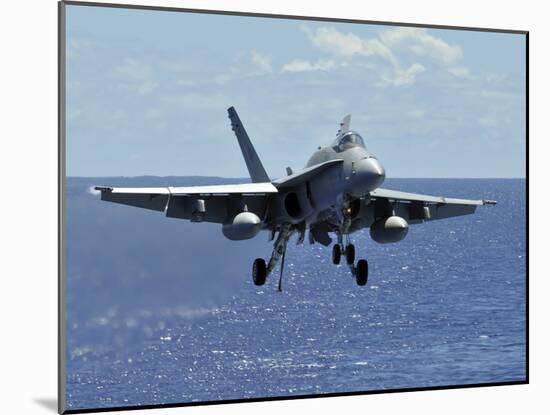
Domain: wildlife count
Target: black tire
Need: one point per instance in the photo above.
(336, 254)
(362, 272)
(350, 254)
(259, 271)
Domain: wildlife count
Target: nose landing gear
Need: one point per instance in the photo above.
(350, 254)
(348, 251)
(336, 254)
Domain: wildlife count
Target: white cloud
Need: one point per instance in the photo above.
(300, 65)
(460, 72)
(416, 40)
(341, 44)
(420, 42)
(391, 46)
(263, 62)
(375, 47)
(332, 41)
(401, 77)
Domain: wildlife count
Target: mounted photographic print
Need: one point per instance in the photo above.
(258, 207)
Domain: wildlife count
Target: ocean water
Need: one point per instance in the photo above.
(163, 311)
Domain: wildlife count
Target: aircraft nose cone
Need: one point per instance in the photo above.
(374, 168)
(368, 175)
(371, 172)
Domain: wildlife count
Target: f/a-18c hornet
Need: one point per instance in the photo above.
(338, 192)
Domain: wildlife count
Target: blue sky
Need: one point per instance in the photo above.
(147, 93)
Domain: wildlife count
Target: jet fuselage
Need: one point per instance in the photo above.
(331, 192)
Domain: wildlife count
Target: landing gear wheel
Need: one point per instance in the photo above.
(350, 254)
(336, 254)
(259, 271)
(362, 272)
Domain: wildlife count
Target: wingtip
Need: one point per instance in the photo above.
(103, 188)
(489, 202)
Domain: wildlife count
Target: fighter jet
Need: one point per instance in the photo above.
(338, 193)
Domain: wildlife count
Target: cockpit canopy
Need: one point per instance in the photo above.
(348, 140)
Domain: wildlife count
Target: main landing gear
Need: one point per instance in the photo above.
(345, 248)
(260, 270)
(361, 272)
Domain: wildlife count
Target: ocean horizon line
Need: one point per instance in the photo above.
(247, 178)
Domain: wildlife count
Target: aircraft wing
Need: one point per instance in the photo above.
(196, 203)
(419, 207)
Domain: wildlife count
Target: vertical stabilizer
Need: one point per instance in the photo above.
(253, 163)
(344, 125)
